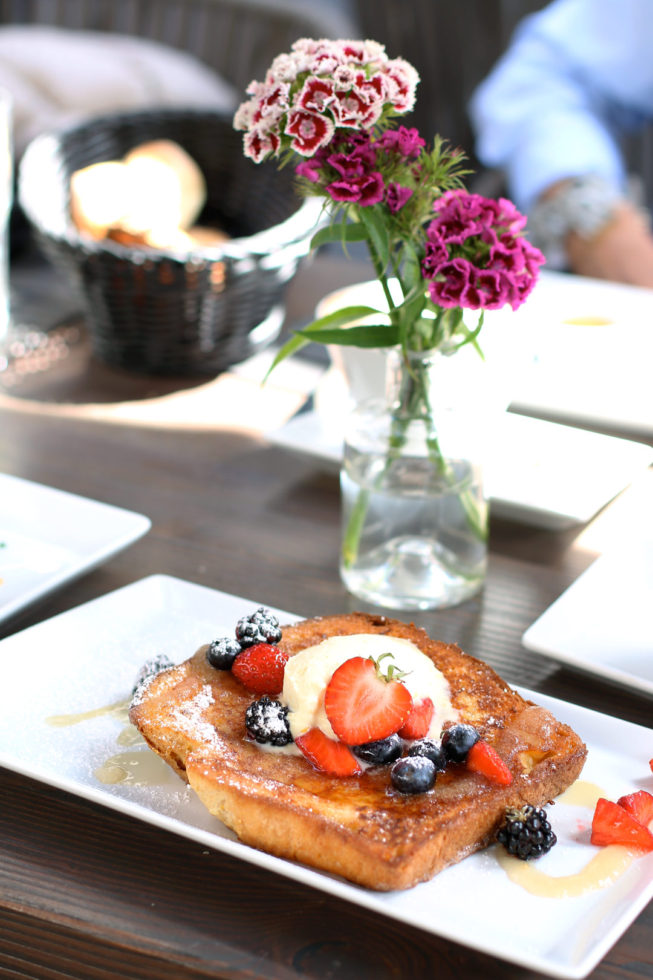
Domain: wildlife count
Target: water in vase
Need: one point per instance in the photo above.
(413, 537)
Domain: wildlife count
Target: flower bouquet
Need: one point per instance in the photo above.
(437, 251)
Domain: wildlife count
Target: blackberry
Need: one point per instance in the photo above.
(222, 653)
(413, 774)
(458, 740)
(526, 833)
(259, 627)
(381, 752)
(150, 669)
(266, 721)
(427, 747)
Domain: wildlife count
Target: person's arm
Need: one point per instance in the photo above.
(599, 232)
(574, 76)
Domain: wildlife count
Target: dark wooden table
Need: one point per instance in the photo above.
(90, 894)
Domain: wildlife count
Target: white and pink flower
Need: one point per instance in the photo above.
(343, 84)
(308, 131)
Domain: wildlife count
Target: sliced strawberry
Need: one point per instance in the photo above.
(483, 758)
(363, 704)
(639, 805)
(326, 754)
(419, 720)
(614, 825)
(260, 668)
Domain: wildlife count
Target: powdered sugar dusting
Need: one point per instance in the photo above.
(190, 717)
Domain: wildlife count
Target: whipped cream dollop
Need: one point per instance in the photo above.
(308, 672)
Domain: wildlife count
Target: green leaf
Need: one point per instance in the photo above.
(342, 232)
(377, 233)
(337, 319)
(290, 347)
(341, 317)
(368, 335)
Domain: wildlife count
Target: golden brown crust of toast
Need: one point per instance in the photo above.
(358, 827)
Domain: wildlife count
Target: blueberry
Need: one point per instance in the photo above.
(380, 753)
(222, 653)
(431, 750)
(458, 740)
(413, 774)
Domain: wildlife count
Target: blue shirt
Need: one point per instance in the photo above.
(576, 77)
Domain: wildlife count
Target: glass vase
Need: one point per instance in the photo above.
(414, 513)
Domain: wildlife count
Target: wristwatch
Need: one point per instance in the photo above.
(584, 205)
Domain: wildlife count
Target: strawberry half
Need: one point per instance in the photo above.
(327, 755)
(260, 668)
(639, 805)
(419, 720)
(614, 825)
(363, 704)
(483, 758)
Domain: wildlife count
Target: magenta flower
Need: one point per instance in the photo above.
(475, 257)
(396, 196)
(366, 190)
(407, 142)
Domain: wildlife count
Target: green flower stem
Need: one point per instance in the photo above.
(418, 406)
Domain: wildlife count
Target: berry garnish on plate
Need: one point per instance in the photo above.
(413, 774)
(419, 720)
(150, 669)
(432, 750)
(526, 833)
(485, 759)
(612, 824)
(266, 721)
(380, 753)
(327, 755)
(221, 653)
(364, 704)
(457, 741)
(639, 805)
(259, 627)
(260, 668)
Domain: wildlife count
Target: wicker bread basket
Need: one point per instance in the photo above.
(162, 312)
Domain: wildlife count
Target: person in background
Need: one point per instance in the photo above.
(576, 77)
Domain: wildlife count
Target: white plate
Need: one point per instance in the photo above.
(48, 537)
(596, 371)
(602, 624)
(472, 903)
(541, 473)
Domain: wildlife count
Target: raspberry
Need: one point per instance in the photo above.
(260, 668)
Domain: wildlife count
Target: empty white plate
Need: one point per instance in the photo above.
(602, 624)
(48, 537)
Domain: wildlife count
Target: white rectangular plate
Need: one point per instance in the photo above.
(48, 537)
(541, 473)
(472, 903)
(602, 623)
(592, 346)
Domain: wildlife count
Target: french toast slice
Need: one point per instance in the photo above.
(358, 827)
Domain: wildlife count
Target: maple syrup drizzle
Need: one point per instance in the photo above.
(138, 767)
(116, 710)
(600, 871)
